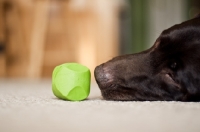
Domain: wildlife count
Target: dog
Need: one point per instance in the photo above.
(168, 71)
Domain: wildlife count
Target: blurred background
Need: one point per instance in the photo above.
(37, 35)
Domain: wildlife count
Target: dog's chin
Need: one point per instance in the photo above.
(116, 95)
(110, 90)
(115, 92)
(106, 85)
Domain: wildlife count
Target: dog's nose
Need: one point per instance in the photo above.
(103, 75)
(99, 73)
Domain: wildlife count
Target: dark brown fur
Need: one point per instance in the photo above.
(168, 71)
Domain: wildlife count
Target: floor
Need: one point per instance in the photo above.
(30, 106)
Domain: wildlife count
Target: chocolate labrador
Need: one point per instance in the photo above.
(168, 71)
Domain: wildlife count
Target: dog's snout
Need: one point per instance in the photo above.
(102, 75)
(99, 73)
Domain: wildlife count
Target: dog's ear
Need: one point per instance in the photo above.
(197, 15)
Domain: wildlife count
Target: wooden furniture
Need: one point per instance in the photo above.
(40, 34)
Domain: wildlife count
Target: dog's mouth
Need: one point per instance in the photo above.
(169, 77)
(171, 80)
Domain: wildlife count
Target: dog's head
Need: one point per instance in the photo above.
(169, 70)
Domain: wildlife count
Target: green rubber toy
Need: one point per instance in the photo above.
(71, 81)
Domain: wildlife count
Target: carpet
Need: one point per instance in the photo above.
(30, 106)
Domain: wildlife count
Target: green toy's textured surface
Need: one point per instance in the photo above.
(71, 81)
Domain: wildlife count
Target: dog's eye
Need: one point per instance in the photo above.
(173, 65)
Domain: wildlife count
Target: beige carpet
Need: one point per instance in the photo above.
(30, 106)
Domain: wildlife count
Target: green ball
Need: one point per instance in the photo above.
(71, 81)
